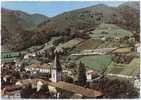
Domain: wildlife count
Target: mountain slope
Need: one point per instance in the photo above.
(64, 24)
(131, 14)
(26, 21)
(81, 18)
(14, 26)
(92, 16)
(133, 4)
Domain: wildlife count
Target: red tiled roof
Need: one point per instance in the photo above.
(40, 65)
(11, 88)
(72, 88)
(68, 87)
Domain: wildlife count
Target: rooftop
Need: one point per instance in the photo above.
(45, 65)
(68, 87)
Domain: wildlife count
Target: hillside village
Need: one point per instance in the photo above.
(101, 62)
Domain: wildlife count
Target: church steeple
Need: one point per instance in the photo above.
(56, 72)
(56, 64)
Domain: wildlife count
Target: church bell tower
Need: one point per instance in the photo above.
(56, 71)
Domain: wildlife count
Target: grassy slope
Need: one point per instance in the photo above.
(130, 69)
(133, 67)
(111, 30)
(85, 17)
(98, 62)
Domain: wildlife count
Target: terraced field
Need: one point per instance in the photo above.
(70, 44)
(107, 44)
(131, 69)
(115, 68)
(88, 44)
(98, 62)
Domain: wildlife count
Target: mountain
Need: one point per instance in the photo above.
(24, 20)
(66, 24)
(131, 14)
(81, 18)
(125, 16)
(15, 24)
(133, 4)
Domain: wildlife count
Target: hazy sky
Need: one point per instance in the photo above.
(50, 9)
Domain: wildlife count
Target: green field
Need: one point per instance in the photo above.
(115, 68)
(131, 69)
(98, 62)
(109, 30)
(9, 56)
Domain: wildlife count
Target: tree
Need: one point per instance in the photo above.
(115, 88)
(27, 91)
(67, 78)
(81, 74)
(71, 65)
(21, 55)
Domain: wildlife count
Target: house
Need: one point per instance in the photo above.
(42, 68)
(137, 83)
(117, 39)
(17, 63)
(2, 64)
(91, 74)
(77, 96)
(29, 55)
(103, 38)
(11, 91)
(7, 79)
(137, 46)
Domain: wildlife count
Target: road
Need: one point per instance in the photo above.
(94, 52)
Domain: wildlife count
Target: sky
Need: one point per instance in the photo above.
(51, 9)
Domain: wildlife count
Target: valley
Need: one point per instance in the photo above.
(93, 49)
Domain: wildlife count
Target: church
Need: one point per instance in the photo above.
(56, 70)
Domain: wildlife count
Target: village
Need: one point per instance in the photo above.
(63, 77)
(87, 53)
